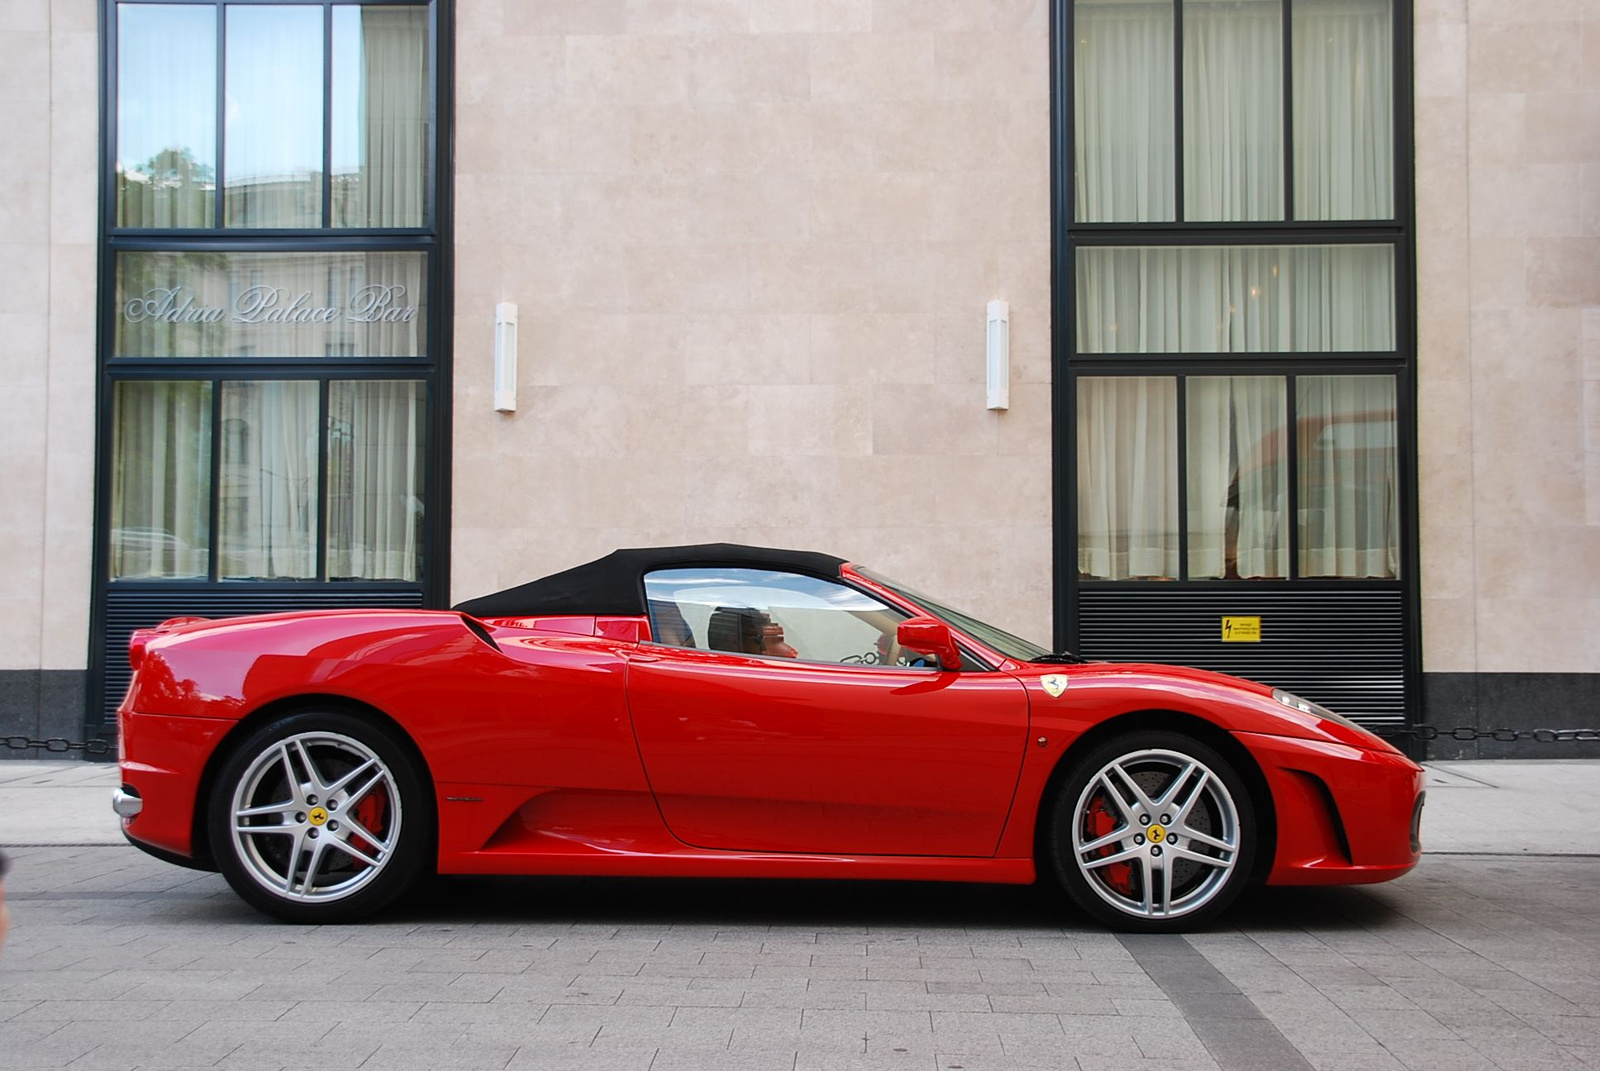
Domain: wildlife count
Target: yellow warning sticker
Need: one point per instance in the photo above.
(1241, 630)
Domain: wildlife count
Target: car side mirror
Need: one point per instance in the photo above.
(927, 635)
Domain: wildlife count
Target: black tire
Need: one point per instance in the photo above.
(1208, 851)
(343, 868)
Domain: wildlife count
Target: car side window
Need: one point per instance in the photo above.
(772, 614)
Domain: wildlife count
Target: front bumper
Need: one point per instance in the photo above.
(1345, 815)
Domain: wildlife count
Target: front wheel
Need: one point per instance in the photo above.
(320, 818)
(1153, 832)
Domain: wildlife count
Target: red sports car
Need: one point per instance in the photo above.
(728, 710)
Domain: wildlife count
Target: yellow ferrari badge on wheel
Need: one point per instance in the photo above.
(1054, 683)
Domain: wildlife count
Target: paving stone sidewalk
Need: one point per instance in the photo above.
(1486, 960)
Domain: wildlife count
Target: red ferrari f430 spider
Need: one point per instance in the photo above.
(723, 710)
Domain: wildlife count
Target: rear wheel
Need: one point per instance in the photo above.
(320, 817)
(1153, 832)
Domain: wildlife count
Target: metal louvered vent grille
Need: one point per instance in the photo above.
(1343, 649)
(127, 611)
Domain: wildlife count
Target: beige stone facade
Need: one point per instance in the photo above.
(49, 107)
(1508, 208)
(751, 244)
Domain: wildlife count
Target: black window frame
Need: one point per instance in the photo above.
(1068, 235)
(433, 368)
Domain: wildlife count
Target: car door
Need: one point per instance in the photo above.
(803, 728)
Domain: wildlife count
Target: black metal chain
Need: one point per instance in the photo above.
(58, 745)
(1505, 736)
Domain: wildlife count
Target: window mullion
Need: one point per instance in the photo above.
(1183, 477)
(214, 555)
(1292, 460)
(322, 480)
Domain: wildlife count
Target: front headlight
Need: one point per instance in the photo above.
(1306, 706)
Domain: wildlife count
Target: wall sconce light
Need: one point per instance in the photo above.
(505, 357)
(998, 350)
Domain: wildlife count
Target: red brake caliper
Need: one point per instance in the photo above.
(371, 812)
(1101, 821)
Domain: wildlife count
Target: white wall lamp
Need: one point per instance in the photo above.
(505, 357)
(998, 349)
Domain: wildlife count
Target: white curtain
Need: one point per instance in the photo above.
(1343, 109)
(1232, 110)
(380, 102)
(375, 485)
(1349, 477)
(1238, 477)
(1235, 299)
(1127, 477)
(1123, 126)
(160, 479)
(267, 497)
(272, 146)
(166, 115)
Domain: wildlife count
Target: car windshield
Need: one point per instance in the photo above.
(1011, 646)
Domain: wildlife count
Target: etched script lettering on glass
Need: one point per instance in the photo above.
(373, 304)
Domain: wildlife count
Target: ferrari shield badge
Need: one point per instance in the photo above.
(1054, 683)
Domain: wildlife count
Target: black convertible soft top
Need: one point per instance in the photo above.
(615, 584)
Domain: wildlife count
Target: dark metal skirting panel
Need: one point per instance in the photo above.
(1345, 650)
(127, 611)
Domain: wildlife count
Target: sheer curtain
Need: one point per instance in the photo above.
(380, 105)
(1343, 109)
(1127, 477)
(1232, 110)
(1238, 477)
(166, 115)
(375, 479)
(160, 480)
(1235, 299)
(273, 121)
(1122, 111)
(266, 501)
(1349, 476)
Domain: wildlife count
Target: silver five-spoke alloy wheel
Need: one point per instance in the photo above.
(316, 817)
(1156, 834)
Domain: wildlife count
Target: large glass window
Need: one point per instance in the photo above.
(380, 116)
(1343, 109)
(272, 116)
(1238, 474)
(1122, 111)
(231, 305)
(1137, 80)
(166, 157)
(1128, 477)
(1233, 109)
(161, 480)
(325, 115)
(375, 479)
(362, 441)
(1236, 299)
(1348, 473)
(266, 498)
(1235, 457)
